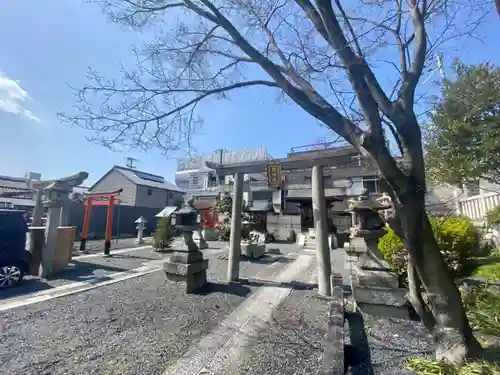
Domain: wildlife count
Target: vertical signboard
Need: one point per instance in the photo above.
(273, 175)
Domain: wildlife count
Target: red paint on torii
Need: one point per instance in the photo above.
(99, 199)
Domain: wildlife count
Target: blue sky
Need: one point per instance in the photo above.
(48, 45)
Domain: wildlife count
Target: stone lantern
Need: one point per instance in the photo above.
(141, 225)
(187, 264)
(367, 228)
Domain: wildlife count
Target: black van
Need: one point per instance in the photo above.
(14, 258)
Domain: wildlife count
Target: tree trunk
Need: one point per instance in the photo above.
(453, 336)
(416, 299)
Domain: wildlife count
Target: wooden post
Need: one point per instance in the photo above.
(109, 226)
(85, 226)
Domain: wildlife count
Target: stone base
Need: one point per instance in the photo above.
(210, 234)
(187, 267)
(376, 278)
(380, 295)
(273, 250)
(253, 250)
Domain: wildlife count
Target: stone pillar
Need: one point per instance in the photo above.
(320, 226)
(233, 270)
(187, 265)
(35, 246)
(65, 212)
(371, 268)
(53, 218)
(38, 210)
(202, 244)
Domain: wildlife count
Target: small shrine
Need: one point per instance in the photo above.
(367, 228)
(187, 264)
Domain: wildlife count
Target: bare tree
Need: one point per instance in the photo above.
(331, 58)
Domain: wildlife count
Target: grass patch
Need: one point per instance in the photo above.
(488, 271)
(430, 367)
(483, 311)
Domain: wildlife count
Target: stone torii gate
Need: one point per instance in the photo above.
(317, 164)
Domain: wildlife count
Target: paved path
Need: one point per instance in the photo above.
(223, 346)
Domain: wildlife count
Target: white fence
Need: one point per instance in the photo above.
(477, 206)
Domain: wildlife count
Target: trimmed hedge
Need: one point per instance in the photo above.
(458, 240)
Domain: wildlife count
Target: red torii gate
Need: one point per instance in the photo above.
(99, 199)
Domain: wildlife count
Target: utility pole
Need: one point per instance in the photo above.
(221, 151)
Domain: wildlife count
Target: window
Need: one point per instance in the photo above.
(150, 192)
(194, 182)
(307, 179)
(371, 185)
(170, 195)
(327, 180)
(356, 186)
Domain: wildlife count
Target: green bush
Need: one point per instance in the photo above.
(457, 238)
(488, 271)
(493, 217)
(164, 235)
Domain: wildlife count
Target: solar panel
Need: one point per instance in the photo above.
(150, 177)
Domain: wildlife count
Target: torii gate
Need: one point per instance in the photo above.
(99, 199)
(317, 161)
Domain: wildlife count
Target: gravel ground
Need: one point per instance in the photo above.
(97, 246)
(138, 326)
(84, 269)
(392, 340)
(292, 341)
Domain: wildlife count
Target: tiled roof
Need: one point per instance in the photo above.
(205, 203)
(14, 185)
(147, 179)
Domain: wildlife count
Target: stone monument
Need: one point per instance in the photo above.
(187, 264)
(56, 200)
(367, 228)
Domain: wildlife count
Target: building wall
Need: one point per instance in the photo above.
(115, 181)
(282, 225)
(156, 198)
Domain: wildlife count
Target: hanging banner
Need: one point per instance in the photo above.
(273, 175)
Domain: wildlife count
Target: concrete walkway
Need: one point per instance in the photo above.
(218, 350)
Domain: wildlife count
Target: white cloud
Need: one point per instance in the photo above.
(13, 98)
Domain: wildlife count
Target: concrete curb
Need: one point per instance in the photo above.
(333, 359)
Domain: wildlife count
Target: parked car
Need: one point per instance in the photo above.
(14, 258)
